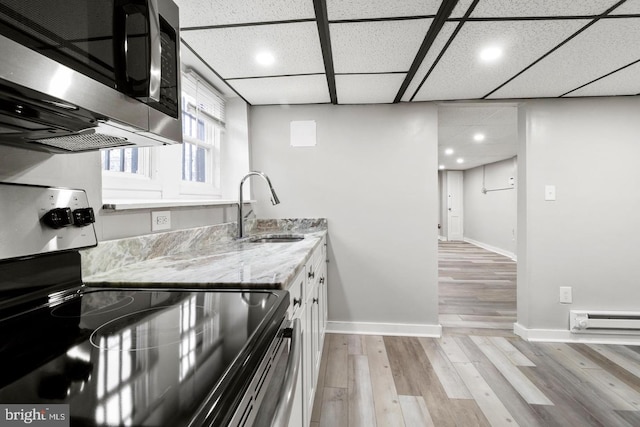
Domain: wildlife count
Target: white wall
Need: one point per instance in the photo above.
(373, 174)
(490, 219)
(588, 238)
(235, 150)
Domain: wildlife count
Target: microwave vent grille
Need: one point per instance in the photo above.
(84, 142)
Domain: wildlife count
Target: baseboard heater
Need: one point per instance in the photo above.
(604, 322)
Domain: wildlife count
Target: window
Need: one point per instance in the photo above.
(188, 170)
(203, 127)
(127, 160)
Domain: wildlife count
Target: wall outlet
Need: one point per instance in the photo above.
(565, 295)
(160, 220)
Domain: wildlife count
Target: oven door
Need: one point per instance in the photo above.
(271, 397)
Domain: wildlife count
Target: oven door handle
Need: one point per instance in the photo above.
(288, 391)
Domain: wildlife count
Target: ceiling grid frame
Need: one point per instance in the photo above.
(320, 7)
(277, 13)
(596, 19)
(442, 52)
(446, 7)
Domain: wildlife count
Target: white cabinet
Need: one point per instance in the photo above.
(308, 293)
(297, 311)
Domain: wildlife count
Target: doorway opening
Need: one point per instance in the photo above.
(477, 250)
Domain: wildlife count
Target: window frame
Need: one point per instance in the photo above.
(160, 174)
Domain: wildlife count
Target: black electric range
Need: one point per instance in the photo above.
(132, 357)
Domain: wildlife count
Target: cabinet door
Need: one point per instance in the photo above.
(310, 348)
(321, 312)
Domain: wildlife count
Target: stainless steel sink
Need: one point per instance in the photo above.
(277, 239)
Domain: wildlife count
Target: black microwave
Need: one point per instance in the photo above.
(81, 75)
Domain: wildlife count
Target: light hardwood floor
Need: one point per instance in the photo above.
(478, 373)
(477, 290)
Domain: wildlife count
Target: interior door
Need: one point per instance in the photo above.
(454, 206)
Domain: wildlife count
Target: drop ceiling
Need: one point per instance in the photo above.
(384, 51)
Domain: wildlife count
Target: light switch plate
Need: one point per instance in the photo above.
(565, 295)
(549, 192)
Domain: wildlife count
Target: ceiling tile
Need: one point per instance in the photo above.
(510, 8)
(231, 51)
(195, 13)
(630, 7)
(605, 46)
(460, 74)
(284, 90)
(461, 8)
(370, 9)
(429, 59)
(624, 82)
(368, 88)
(370, 47)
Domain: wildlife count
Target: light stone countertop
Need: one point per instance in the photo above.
(221, 263)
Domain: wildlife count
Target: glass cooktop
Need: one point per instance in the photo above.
(137, 357)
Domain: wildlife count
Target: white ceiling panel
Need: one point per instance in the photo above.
(232, 51)
(461, 8)
(368, 88)
(607, 45)
(437, 46)
(629, 7)
(195, 13)
(511, 8)
(284, 90)
(369, 9)
(460, 74)
(370, 47)
(623, 82)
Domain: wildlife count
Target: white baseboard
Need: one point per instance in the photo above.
(394, 329)
(442, 238)
(562, 335)
(492, 248)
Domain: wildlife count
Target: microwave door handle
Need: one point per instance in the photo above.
(155, 63)
(123, 10)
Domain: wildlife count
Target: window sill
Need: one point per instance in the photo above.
(126, 205)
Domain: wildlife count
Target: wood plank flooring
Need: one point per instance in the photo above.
(477, 290)
(478, 373)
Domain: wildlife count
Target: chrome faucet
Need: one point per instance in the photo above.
(274, 199)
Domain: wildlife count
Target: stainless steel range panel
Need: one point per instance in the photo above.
(140, 357)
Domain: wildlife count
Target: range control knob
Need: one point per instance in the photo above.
(83, 216)
(58, 218)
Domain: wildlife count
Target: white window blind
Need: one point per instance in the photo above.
(203, 119)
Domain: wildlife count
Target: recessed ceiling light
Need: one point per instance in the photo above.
(490, 54)
(265, 58)
(460, 160)
(478, 137)
(441, 167)
(448, 151)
